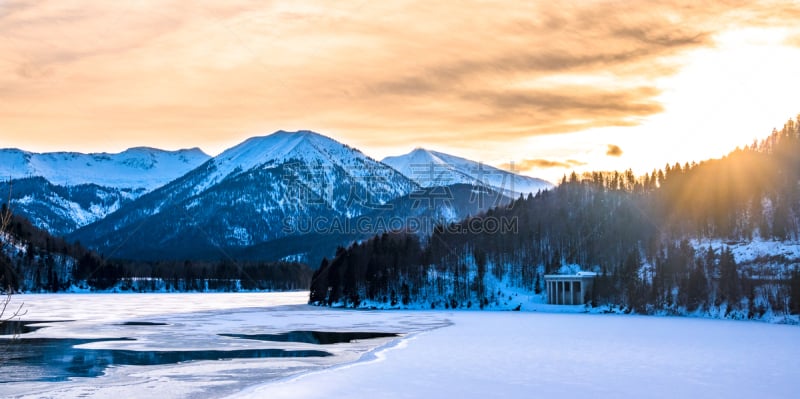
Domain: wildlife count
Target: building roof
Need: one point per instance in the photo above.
(576, 275)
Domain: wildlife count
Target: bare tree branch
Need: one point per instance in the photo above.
(8, 314)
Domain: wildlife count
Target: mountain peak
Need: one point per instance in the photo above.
(304, 146)
(431, 168)
(276, 146)
(302, 132)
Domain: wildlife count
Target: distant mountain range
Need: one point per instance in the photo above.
(62, 191)
(431, 168)
(137, 169)
(254, 200)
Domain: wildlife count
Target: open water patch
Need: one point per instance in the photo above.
(142, 323)
(17, 327)
(57, 359)
(314, 337)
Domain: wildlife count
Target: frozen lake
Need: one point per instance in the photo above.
(438, 354)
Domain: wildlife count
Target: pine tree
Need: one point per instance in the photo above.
(794, 290)
(729, 280)
(697, 289)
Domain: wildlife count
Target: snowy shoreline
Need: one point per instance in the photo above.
(461, 353)
(528, 302)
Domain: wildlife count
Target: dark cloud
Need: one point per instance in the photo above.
(574, 101)
(573, 162)
(625, 42)
(445, 78)
(530, 164)
(614, 150)
(581, 40)
(663, 39)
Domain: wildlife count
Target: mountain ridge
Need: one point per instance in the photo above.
(433, 168)
(137, 168)
(240, 197)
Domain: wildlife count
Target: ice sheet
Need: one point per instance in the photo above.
(464, 354)
(194, 322)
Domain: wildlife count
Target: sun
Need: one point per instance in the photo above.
(723, 96)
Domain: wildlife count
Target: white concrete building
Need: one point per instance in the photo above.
(569, 289)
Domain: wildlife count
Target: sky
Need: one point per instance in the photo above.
(548, 87)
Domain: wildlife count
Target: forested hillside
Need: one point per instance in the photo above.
(31, 260)
(686, 238)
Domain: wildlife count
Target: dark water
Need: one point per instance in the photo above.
(313, 337)
(56, 359)
(48, 359)
(13, 326)
(142, 323)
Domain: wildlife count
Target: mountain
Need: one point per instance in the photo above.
(139, 169)
(431, 168)
(256, 200)
(245, 195)
(418, 213)
(63, 209)
(62, 191)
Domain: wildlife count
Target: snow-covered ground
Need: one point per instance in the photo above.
(525, 355)
(464, 354)
(751, 250)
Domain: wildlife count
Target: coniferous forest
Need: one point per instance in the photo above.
(659, 243)
(32, 260)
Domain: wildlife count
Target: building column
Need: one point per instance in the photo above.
(547, 290)
(583, 295)
(574, 302)
(577, 293)
(555, 292)
(558, 290)
(561, 292)
(571, 293)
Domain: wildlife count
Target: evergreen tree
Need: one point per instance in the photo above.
(697, 289)
(729, 281)
(794, 289)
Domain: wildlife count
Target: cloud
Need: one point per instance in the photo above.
(614, 150)
(573, 101)
(793, 40)
(377, 74)
(530, 164)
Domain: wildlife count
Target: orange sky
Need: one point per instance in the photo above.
(583, 85)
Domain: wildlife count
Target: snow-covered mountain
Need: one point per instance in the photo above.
(431, 168)
(417, 213)
(138, 169)
(62, 191)
(245, 196)
(63, 209)
(256, 192)
(304, 147)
